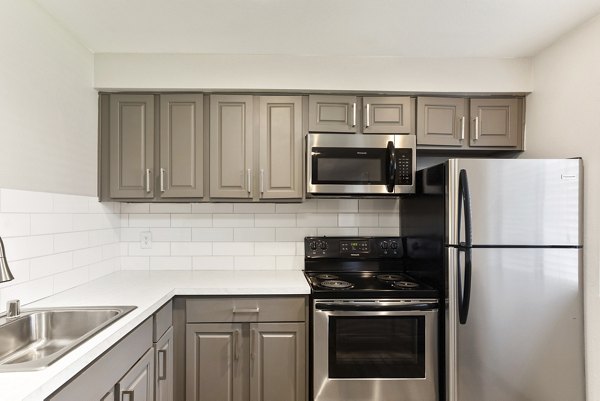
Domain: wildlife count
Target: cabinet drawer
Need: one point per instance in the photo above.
(163, 319)
(280, 309)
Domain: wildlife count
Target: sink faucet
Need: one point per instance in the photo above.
(5, 273)
(13, 309)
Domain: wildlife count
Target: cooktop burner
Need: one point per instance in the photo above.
(327, 276)
(337, 284)
(404, 284)
(389, 277)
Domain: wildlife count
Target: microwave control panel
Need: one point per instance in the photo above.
(404, 173)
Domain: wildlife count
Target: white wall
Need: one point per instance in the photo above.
(48, 107)
(563, 120)
(197, 72)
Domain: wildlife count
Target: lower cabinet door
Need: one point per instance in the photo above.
(138, 383)
(277, 362)
(163, 367)
(217, 362)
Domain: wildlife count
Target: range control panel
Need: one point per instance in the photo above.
(353, 247)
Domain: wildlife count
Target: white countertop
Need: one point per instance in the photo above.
(148, 291)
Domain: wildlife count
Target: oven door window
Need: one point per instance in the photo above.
(376, 347)
(357, 166)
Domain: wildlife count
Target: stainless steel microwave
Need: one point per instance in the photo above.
(351, 164)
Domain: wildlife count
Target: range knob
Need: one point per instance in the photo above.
(394, 245)
(383, 245)
(313, 246)
(323, 245)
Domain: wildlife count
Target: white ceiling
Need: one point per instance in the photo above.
(406, 28)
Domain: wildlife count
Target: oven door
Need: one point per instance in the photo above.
(374, 350)
(360, 164)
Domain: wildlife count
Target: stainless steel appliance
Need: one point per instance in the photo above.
(374, 327)
(507, 236)
(360, 164)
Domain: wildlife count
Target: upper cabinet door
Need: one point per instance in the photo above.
(280, 147)
(231, 146)
(495, 122)
(333, 113)
(387, 115)
(181, 146)
(131, 146)
(442, 121)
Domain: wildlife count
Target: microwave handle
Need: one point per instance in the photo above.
(391, 166)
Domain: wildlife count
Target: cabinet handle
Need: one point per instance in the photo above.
(354, 114)
(147, 180)
(368, 116)
(162, 363)
(262, 181)
(253, 343)
(249, 180)
(236, 344)
(462, 128)
(130, 395)
(247, 310)
(476, 128)
(162, 180)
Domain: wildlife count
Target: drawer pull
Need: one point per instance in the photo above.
(162, 364)
(247, 310)
(236, 344)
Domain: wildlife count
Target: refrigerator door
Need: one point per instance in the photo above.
(516, 202)
(523, 338)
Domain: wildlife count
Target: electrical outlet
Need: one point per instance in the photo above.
(145, 240)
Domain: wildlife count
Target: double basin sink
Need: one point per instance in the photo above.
(38, 337)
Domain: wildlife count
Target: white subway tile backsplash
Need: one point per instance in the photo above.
(233, 220)
(150, 220)
(289, 262)
(16, 201)
(212, 262)
(103, 268)
(379, 205)
(128, 208)
(171, 263)
(309, 206)
(70, 203)
(254, 263)
(27, 292)
(170, 208)
(102, 237)
(71, 278)
(337, 231)
(18, 248)
(132, 234)
(191, 220)
(191, 248)
(212, 234)
(254, 208)
(317, 220)
(157, 249)
(212, 207)
(337, 205)
(358, 220)
(50, 265)
(135, 262)
(87, 256)
(254, 234)
(20, 271)
(233, 248)
(275, 248)
(14, 224)
(389, 220)
(275, 220)
(84, 222)
(71, 241)
(44, 223)
(294, 234)
(378, 231)
(171, 234)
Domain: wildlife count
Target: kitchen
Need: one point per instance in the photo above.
(50, 159)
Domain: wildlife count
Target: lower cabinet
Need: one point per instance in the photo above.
(163, 367)
(252, 358)
(138, 383)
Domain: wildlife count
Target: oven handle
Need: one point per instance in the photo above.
(391, 167)
(376, 308)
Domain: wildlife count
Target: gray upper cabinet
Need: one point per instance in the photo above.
(442, 121)
(333, 113)
(387, 115)
(488, 124)
(181, 146)
(131, 146)
(280, 150)
(496, 122)
(277, 366)
(256, 147)
(231, 146)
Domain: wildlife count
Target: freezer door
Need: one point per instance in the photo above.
(520, 202)
(523, 338)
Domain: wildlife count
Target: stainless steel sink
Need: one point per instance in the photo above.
(38, 337)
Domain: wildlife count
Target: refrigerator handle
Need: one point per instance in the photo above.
(391, 167)
(464, 289)
(464, 201)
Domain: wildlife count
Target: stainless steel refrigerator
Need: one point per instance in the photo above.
(504, 239)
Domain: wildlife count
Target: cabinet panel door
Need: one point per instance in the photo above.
(109, 396)
(131, 146)
(138, 383)
(164, 367)
(387, 115)
(280, 147)
(278, 362)
(495, 122)
(230, 146)
(333, 113)
(216, 362)
(181, 146)
(442, 121)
